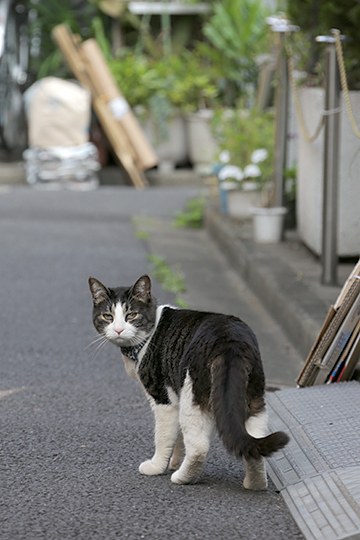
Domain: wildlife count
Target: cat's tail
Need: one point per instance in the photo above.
(229, 383)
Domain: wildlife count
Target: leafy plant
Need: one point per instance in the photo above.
(243, 131)
(178, 80)
(193, 214)
(238, 33)
(315, 18)
(49, 13)
(171, 279)
(162, 87)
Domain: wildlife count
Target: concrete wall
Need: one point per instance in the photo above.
(310, 177)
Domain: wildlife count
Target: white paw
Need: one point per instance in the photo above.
(176, 478)
(259, 485)
(150, 468)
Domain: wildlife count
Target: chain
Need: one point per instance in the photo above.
(344, 83)
(298, 107)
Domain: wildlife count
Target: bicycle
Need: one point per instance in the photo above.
(14, 73)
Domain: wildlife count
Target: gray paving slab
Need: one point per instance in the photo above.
(318, 472)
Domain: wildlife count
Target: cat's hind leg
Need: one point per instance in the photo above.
(197, 427)
(255, 471)
(166, 431)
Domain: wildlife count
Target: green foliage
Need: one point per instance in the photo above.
(164, 86)
(142, 235)
(171, 279)
(316, 18)
(178, 80)
(238, 33)
(193, 214)
(242, 131)
(50, 13)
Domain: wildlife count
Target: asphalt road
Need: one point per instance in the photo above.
(73, 426)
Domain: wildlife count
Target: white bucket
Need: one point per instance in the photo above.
(268, 224)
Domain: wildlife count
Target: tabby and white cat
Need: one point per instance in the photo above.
(199, 370)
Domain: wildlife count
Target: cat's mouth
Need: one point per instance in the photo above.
(119, 341)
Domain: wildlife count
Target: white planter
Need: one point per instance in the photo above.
(268, 224)
(202, 145)
(240, 203)
(172, 149)
(310, 178)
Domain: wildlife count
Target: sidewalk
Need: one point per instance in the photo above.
(318, 473)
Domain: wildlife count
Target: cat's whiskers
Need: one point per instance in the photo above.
(98, 343)
(137, 340)
(96, 340)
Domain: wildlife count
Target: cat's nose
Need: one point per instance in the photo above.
(119, 330)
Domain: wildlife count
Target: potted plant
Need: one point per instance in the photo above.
(235, 34)
(162, 91)
(245, 139)
(318, 18)
(240, 189)
(245, 170)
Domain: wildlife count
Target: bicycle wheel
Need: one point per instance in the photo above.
(13, 132)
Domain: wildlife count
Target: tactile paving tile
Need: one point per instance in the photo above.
(318, 472)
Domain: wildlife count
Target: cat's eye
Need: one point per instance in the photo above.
(107, 317)
(131, 316)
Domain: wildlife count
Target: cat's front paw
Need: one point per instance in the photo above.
(178, 478)
(150, 468)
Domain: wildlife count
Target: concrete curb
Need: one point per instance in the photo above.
(290, 301)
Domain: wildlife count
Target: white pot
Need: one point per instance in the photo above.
(268, 224)
(171, 150)
(309, 198)
(202, 145)
(240, 202)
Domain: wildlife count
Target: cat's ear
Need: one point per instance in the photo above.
(98, 290)
(141, 290)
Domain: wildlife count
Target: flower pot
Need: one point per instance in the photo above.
(240, 202)
(268, 224)
(171, 147)
(202, 145)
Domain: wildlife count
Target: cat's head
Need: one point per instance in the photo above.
(124, 315)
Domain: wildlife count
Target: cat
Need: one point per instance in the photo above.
(199, 370)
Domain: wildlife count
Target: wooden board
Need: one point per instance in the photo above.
(118, 122)
(341, 320)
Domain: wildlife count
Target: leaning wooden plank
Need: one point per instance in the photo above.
(69, 46)
(351, 361)
(106, 87)
(355, 275)
(68, 43)
(313, 364)
(339, 342)
(118, 140)
(339, 370)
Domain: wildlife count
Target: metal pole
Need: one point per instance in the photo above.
(281, 26)
(329, 256)
(281, 125)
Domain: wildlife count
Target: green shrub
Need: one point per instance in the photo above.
(316, 18)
